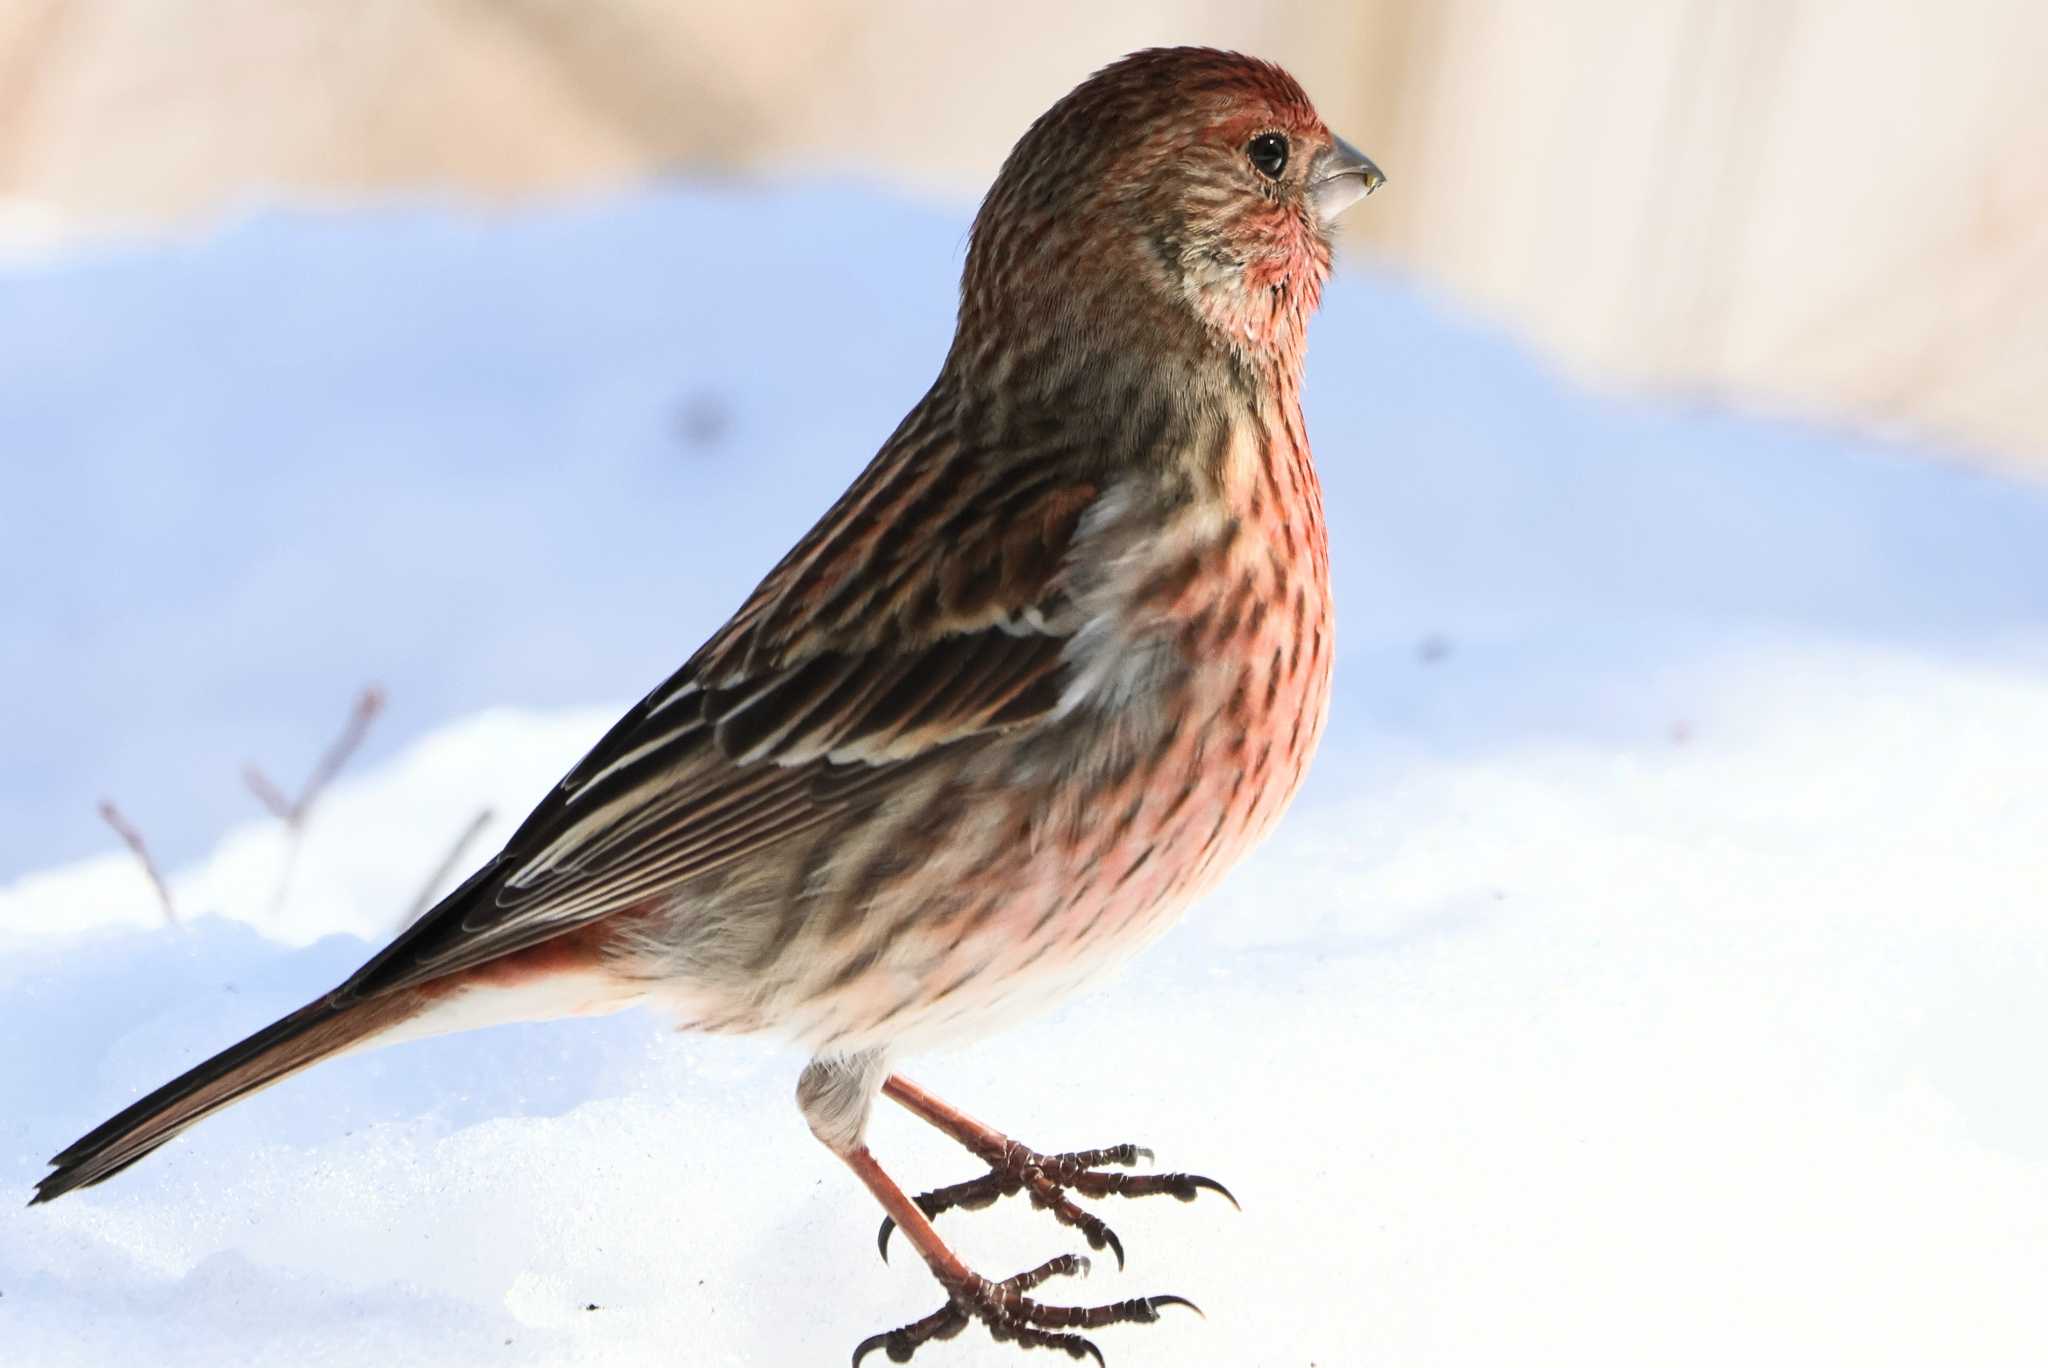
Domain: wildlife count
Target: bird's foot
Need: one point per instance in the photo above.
(1012, 1316)
(1049, 1178)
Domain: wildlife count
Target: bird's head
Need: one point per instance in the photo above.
(1179, 195)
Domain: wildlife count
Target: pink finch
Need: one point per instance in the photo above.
(1056, 660)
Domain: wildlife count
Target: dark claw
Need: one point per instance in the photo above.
(899, 1344)
(1196, 1180)
(1013, 1318)
(882, 1341)
(1116, 1245)
(1077, 1347)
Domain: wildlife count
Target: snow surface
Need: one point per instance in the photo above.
(1652, 973)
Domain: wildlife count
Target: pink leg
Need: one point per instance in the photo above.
(1001, 1306)
(1014, 1167)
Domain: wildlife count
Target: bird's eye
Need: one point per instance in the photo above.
(1268, 152)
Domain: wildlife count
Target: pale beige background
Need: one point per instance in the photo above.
(1829, 207)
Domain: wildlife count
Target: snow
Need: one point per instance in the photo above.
(1651, 972)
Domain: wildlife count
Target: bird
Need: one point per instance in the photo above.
(1055, 660)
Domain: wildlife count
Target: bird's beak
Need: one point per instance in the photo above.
(1340, 177)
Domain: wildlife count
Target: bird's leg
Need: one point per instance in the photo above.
(835, 1095)
(1001, 1306)
(1013, 1168)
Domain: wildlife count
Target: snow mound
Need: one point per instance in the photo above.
(1651, 971)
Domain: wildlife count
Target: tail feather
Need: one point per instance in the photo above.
(315, 1032)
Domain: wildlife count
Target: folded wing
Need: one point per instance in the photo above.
(923, 611)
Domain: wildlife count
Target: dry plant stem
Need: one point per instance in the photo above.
(368, 704)
(292, 811)
(273, 800)
(132, 838)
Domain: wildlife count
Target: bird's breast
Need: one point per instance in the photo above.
(1196, 694)
(1194, 689)
(1228, 605)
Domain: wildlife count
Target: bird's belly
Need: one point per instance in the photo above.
(1067, 874)
(1024, 866)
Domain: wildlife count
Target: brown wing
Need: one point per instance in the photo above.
(924, 609)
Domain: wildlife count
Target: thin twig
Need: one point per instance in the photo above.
(267, 793)
(368, 704)
(447, 866)
(132, 838)
(292, 811)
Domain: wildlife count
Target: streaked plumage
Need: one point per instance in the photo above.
(1056, 659)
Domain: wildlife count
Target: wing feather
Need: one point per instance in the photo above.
(872, 646)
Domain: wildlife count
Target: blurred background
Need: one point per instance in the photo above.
(1826, 208)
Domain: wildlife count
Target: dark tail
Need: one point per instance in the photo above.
(312, 1033)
